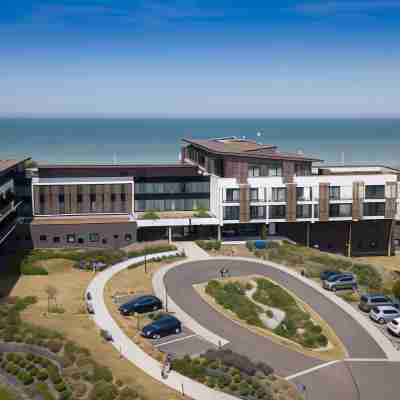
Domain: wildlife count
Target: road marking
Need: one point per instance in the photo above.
(369, 360)
(174, 340)
(307, 371)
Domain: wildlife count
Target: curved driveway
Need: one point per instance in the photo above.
(180, 280)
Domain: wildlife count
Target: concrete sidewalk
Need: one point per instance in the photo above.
(128, 349)
(192, 250)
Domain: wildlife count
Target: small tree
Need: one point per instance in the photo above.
(52, 293)
(396, 289)
(263, 232)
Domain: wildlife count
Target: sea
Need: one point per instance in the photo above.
(158, 140)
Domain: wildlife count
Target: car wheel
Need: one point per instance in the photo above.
(381, 321)
(155, 308)
(156, 337)
(334, 289)
(178, 330)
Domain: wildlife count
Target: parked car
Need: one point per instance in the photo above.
(394, 326)
(162, 327)
(141, 304)
(371, 300)
(324, 275)
(383, 314)
(340, 281)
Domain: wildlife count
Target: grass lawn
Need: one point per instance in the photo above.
(235, 309)
(75, 323)
(6, 394)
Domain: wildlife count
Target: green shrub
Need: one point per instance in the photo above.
(28, 269)
(367, 275)
(103, 391)
(201, 213)
(251, 245)
(54, 375)
(209, 244)
(11, 357)
(128, 393)
(44, 391)
(54, 345)
(396, 289)
(24, 302)
(25, 377)
(60, 386)
(42, 375)
(150, 215)
(30, 357)
(101, 373)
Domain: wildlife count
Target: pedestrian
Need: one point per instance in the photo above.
(221, 271)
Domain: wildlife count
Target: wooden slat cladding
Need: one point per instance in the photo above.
(391, 198)
(324, 201)
(129, 198)
(73, 200)
(99, 198)
(357, 207)
(288, 171)
(55, 191)
(244, 202)
(236, 169)
(107, 198)
(291, 202)
(36, 198)
(48, 203)
(85, 198)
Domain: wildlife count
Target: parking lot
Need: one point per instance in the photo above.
(178, 345)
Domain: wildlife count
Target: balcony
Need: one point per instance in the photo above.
(277, 212)
(7, 209)
(375, 192)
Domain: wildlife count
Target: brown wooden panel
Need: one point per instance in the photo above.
(291, 202)
(47, 200)
(99, 198)
(324, 201)
(67, 197)
(74, 199)
(129, 198)
(86, 199)
(288, 171)
(244, 202)
(116, 189)
(357, 207)
(36, 199)
(55, 190)
(107, 198)
(391, 197)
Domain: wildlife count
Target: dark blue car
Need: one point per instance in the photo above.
(161, 327)
(140, 305)
(325, 275)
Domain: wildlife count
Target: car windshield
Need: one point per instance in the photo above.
(333, 278)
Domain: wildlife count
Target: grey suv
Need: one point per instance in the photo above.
(340, 281)
(371, 300)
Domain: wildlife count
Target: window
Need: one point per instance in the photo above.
(302, 169)
(94, 237)
(334, 192)
(71, 238)
(81, 240)
(254, 171)
(56, 239)
(61, 198)
(116, 236)
(233, 195)
(340, 210)
(304, 211)
(113, 197)
(128, 237)
(123, 197)
(374, 209)
(304, 193)
(79, 198)
(231, 213)
(274, 170)
(279, 194)
(375, 192)
(257, 212)
(41, 198)
(104, 241)
(43, 238)
(254, 194)
(277, 212)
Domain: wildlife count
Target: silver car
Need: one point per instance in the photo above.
(383, 314)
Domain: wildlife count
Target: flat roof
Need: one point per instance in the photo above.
(78, 220)
(120, 165)
(245, 148)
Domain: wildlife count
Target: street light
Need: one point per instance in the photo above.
(145, 264)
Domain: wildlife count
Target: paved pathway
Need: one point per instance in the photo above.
(192, 250)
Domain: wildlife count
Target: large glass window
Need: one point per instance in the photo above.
(274, 170)
(231, 213)
(171, 204)
(254, 194)
(257, 212)
(233, 195)
(304, 211)
(374, 209)
(375, 192)
(334, 192)
(279, 194)
(277, 212)
(304, 193)
(254, 170)
(340, 210)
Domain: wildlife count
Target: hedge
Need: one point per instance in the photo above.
(152, 250)
(209, 244)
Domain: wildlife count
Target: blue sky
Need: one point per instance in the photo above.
(191, 58)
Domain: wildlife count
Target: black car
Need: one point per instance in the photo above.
(162, 327)
(140, 305)
(325, 275)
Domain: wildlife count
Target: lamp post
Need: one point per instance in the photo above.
(166, 298)
(145, 264)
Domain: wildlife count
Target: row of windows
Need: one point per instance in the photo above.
(81, 239)
(256, 212)
(172, 204)
(275, 169)
(172, 187)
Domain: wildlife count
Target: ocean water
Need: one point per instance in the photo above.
(142, 140)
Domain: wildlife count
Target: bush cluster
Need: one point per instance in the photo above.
(231, 296)
(209, 244)
(367, 275)
(152, 250)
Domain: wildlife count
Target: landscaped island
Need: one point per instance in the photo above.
(269, 309)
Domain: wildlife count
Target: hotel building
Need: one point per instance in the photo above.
(223, 188)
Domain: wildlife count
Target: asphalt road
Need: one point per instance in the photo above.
(286, 362)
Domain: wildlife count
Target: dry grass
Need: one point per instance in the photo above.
(336, 351)
(237, 250)
(391, 264)
(76, 324)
